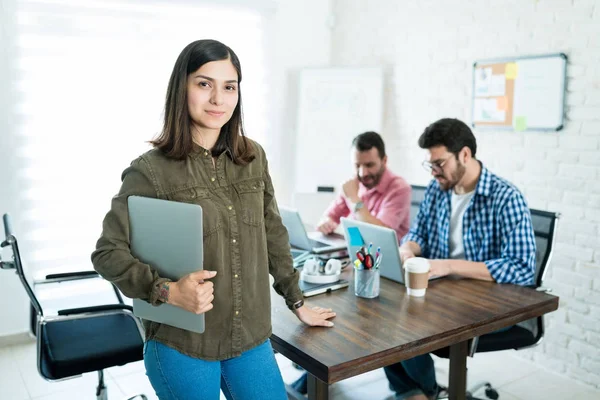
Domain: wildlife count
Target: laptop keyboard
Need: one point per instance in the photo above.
(316, 244)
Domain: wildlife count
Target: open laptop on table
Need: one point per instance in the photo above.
(316, 242)
(360, 234)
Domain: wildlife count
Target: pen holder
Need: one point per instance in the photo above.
(366, 283)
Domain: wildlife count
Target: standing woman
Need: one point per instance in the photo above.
(203, 157)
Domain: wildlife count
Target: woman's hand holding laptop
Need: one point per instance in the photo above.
(193, 292)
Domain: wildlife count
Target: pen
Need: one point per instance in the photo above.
(370, 245)
(378, 261)
(377, 253)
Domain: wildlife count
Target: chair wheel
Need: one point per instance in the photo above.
(491, 393)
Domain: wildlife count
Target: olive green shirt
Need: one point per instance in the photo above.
(244, 241)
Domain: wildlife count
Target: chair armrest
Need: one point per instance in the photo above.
(540, 288)
(95, 309)
(67, 276)
(79, 274)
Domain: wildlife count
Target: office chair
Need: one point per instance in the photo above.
(417, 195)
(79, 340)
(527, 333)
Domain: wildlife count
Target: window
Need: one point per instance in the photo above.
(90, 84)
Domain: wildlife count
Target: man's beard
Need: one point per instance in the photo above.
(372, 180)
(456, 176)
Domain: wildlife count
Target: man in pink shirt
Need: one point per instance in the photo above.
(375, 195)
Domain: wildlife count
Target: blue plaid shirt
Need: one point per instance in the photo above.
(497, 228)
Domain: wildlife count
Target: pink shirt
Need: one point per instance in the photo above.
(389, 202)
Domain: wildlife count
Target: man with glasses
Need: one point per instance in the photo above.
(472, 224)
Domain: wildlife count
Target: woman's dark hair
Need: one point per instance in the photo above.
(175, 139)
(449, 132)
(367, 140)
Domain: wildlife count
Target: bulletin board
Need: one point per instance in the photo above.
(524, 93)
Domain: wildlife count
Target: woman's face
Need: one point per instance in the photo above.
(212, 93)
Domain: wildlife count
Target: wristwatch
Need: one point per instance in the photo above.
(297, 305)
(357, 206)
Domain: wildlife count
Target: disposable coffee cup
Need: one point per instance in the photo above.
(416, 276)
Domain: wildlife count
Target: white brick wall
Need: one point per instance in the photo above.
(428, 48)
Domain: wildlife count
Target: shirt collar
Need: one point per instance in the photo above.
(198, 150)
(484, 184)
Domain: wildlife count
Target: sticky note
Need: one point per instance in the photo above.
(511, 71)
(501, 103)
(355, 237)
(520, 123)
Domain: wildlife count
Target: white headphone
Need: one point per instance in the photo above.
(333, 266)
(311, 273)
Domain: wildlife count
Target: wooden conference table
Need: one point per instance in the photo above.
(373, 333)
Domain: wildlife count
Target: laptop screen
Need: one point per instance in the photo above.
(293, 223)
(360, 234)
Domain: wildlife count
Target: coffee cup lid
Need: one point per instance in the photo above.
(416, 264)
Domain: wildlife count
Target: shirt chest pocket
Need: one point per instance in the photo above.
(251, 195)
(211, 219)
(480, 234)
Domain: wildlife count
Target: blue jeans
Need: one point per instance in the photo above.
(254, 375)
(412, 377)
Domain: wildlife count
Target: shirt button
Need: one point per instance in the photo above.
(212, 179)
(237, 313)
(235, 276)
(229, 207)
(206, 153)
(233, 240)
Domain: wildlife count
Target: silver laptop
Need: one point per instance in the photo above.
(167, 235)
(360, 234)
(316, 242)
(313, 289)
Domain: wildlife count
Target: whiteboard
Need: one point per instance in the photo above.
(334, 106)
(522, 93)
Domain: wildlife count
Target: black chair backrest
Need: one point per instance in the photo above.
(417, 196)
(12, 241)
(544, 226)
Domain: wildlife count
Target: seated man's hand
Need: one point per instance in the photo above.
(439, 268)
(405, 254)
(315, 316)
(327, 226)
(350, 190)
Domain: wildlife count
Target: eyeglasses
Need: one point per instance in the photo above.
(436, 165)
